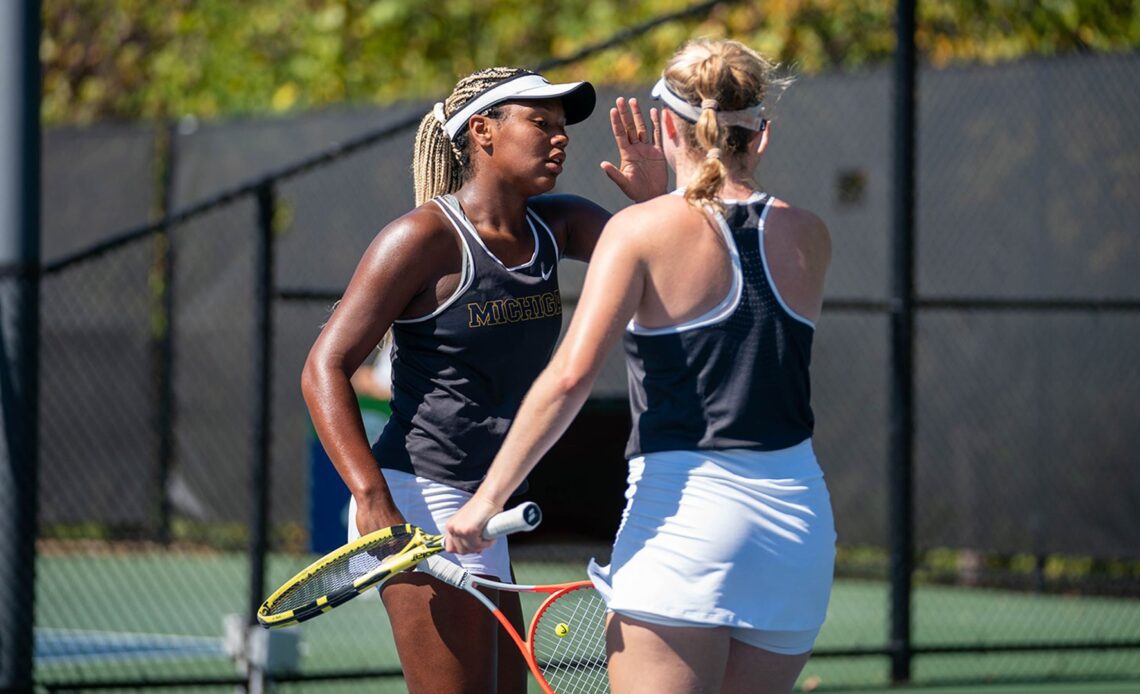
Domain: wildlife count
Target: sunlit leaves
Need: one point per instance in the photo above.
(130, 59)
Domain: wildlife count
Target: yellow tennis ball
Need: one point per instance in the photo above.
(562, 629)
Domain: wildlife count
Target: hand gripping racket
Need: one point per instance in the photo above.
(367, 562)
(565, 646)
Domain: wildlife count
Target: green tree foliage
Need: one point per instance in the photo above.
(133, 59)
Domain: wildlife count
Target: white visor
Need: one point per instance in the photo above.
(751, 117)
(578, 99)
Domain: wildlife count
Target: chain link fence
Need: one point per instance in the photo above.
(157, 434)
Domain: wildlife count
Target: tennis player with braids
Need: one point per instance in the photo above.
(722, 567)
(468, 284)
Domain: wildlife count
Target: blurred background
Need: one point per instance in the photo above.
(212, 171)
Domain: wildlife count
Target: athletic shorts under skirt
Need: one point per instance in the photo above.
(735, 538)
(428, 505)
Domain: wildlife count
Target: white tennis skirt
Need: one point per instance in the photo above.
(724, 538)
(429, 504)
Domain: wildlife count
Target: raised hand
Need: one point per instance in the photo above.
(642, 173)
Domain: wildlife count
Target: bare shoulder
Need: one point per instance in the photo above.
(417, 245)
(410, 261)
(662, 215)
(797, 219)
(800, 227)
(654, 229)
(425, 224)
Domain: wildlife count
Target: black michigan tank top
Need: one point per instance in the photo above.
(460, 373)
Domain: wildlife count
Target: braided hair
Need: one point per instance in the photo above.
(441, 165)
(717, 75)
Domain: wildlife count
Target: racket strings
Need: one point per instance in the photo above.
(340, 573)
(569, 643)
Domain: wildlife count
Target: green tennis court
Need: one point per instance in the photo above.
(100, 617)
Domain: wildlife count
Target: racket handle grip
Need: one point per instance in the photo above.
(451, 574)
(525, 516)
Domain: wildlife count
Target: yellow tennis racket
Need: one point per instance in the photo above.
(367, 562)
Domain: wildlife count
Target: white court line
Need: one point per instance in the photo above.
(57, 646)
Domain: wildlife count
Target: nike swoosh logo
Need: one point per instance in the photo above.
(545, 272)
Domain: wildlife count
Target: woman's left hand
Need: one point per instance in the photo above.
(642, 173)
(463, 532)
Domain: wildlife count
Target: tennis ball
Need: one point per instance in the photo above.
(562, 629)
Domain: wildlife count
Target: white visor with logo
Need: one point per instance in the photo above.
(578, 99)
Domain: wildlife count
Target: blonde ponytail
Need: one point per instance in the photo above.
(704, 188)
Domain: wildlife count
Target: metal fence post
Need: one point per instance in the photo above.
(163, 345)
(901, 466)
(262, 359)
(19, 337)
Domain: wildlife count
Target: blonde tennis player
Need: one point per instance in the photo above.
(721, 570)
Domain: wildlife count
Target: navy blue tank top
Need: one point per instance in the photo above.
(736, 377)
(460, 373)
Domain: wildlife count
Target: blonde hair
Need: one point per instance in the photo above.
(441, 165)
(717, 75)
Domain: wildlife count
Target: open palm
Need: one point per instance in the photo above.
(642, 172)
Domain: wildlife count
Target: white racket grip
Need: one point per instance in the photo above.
(525, 516)
(449, 573)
